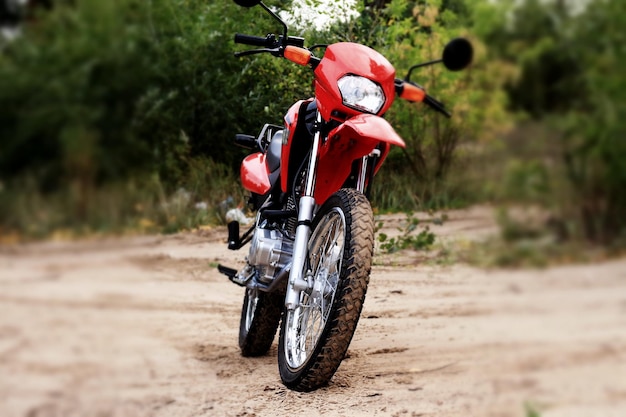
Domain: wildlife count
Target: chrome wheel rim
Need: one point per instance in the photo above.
(253, 300)
(306, 323)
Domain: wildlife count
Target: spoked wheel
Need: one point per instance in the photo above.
(260, 316)
(315, 336)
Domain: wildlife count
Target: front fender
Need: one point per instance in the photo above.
(369, 127)
(353, 139)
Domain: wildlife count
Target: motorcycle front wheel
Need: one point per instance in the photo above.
(315, 336)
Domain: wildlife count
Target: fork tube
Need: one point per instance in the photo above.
(297, 282)
(361, 180)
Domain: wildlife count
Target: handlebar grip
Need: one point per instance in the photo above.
(437, 105)
(250, 40)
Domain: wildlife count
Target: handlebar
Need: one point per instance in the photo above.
(251, 40)
(436, 105)
(278, 47)
(415, 93)
(290, 47)
(267, 42)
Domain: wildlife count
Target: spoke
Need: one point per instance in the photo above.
(307, 322)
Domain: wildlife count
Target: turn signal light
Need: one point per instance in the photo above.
(297, 55)
(412, 93)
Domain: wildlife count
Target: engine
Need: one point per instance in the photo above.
(269, 252)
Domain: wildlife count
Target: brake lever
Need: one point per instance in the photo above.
(437, 105)
(273, 51)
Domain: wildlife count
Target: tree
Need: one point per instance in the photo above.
(570, 80)
(410, 32)
(98, 93)
(595, 125)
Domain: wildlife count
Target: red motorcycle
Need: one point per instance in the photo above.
(312, 243)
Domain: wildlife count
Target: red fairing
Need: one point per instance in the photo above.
(254, 174)
(353, 139)
(351, 58)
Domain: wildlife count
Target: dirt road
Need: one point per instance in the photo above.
(145, 326)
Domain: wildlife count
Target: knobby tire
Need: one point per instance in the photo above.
(350, 293)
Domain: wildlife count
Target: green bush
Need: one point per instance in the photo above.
(570, 80)
(100, 97)
(407, 238)
(408, 32)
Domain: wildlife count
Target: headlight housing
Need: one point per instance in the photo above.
(361, 93)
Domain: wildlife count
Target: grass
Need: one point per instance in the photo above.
(527, 238)
(143, 205)
(149, 205)
(531, 411)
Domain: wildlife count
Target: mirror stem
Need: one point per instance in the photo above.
(275, 16)
(424, 64)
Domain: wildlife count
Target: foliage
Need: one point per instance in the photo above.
(125, 85)
(131, 101)
(139, 204)
(525, 180)
(595, 152)
(530, 237)
(569, 80)
(407, 240)
(99, 97)
(410, 32)
(134, 99)
(531, 411)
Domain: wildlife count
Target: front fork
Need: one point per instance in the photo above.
(297, 281)
(297, 275)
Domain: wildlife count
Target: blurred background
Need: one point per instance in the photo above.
(118, 116)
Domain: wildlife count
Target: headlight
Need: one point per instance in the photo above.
(361, 93)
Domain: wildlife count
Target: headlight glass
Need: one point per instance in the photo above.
(361, 94)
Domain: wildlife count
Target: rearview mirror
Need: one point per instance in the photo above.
(247, 3)
(458, 54)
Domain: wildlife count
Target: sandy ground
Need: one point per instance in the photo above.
(145, 326)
